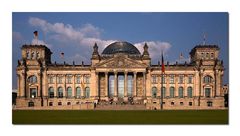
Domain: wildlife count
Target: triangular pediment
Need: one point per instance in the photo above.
(121, 62)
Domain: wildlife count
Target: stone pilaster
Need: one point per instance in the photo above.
(56, 88)
(125, 84)
(144, 84)
(74, 87)
(97, 93)
(106, 84)
(134, 84)
(115, 84)
(64, 86)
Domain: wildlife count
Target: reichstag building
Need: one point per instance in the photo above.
(120, 75)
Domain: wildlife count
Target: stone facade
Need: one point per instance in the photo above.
(120, 74)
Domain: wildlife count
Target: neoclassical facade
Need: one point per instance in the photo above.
(120, 74)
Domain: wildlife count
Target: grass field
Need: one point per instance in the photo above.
(120, 117)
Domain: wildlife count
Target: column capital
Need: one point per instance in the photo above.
(135, 73)
(115, 72)
(125, 72)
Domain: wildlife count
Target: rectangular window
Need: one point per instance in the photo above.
(181, 77)
(190, 104)
(181, 103)
(59, 80)
(87, 79)
(78, 79)
(154, 79)
(69, 79)
(207, 92)
(209, 104)
(33, 92)
(50, 80)
(171, 80)
(190, 77)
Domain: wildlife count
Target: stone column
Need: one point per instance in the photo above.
(56, 88)
(158, 85)
(106, 84)
(115, 84)
(97, 93)
(74, 88)
(19, 93)
(134, 84)
(82, 86)
(125, 84)
(144, 84)
(185, 81)
(176, 85)
(39, 80)
(23, 85)
(200, 88)
(64, 86)
(167, 91)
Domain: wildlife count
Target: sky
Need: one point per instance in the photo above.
(75, 34)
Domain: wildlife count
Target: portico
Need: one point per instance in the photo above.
(120, 85)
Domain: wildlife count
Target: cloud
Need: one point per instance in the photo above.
(155, 48)
(17, 36)
(87, 35)
(88, 30)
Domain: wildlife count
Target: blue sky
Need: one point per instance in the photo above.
(75, 33)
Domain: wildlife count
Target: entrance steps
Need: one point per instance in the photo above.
(121, 107)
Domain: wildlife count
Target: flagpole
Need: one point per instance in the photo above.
(162, 93)
(163, 70)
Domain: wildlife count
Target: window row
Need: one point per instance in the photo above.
(172, 92)
(207, 92)
(33, 55)
(69, 79)
(86, 93)
(207, 55)
(172, 79)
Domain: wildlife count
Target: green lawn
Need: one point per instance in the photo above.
(120, 117)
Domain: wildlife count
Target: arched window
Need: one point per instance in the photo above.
(180, 92)
(87, 92)
(51, 92)
(37, 55)
(189, 92)
(28, 55)
(164, 92)
(154, 92)
(171, 92)
(33, 55)
(207, 92)
(207, 79)
(32, 79)
(60, 92)
(78, 92)
(69, 92)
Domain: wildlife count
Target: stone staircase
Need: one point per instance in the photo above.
(121, 107)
